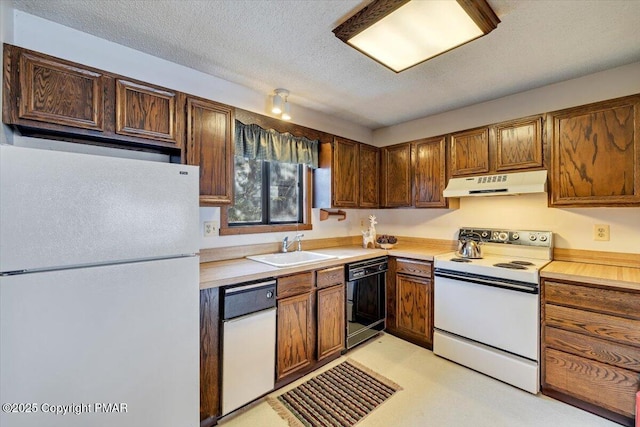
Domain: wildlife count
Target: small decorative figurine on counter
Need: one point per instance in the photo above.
(369, 236)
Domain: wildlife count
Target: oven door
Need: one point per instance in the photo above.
(500, 315)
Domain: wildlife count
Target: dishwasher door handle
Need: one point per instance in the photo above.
(241, 318)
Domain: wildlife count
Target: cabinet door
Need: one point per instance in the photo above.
(519, 144)
(470, 152)
(595, 154)
(146, 111)
(210, 145)
(430, 173)
(345, 178)
(295, 334)
(396, 175)
(209, 353)
(369, 176)
(331, 326)
(413, 306)
(59, 92)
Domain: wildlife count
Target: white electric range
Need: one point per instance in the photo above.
(487, 311)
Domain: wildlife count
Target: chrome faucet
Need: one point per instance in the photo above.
(286, 244)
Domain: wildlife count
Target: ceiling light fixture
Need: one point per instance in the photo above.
(402, 33)
(280, 104)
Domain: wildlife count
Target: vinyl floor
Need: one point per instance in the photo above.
(436, 392)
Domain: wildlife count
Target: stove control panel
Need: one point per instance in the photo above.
(510, 237)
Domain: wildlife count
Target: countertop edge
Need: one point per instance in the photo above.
(614, 277)
(254, 270)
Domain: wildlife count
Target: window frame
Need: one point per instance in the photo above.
(307, 196)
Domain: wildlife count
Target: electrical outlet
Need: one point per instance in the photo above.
(210, 228)
(601, 232)
(361, 222)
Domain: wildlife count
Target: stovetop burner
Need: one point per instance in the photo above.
(521, 262)
(460, 260)
(512, 265)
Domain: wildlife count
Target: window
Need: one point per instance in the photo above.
(272, 191)
(267, 193)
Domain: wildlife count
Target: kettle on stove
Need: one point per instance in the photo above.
(469, 248)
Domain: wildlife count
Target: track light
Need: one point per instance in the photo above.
(280, 104)
(286, 113)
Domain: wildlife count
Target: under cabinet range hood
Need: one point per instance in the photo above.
(499, 184)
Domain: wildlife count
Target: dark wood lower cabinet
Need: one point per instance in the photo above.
(209, 356)
(410, 301)
(311, 322)
(295, 330)
(331, 319)
(412, 312)
(591, 347)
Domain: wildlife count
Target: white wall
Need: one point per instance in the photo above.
(613, 83)
(44, 36)
(573, 226)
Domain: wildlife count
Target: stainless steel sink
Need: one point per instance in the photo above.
(289, 259)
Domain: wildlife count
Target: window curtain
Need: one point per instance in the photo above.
(254, 142)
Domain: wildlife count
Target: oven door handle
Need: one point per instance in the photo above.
(487, 281)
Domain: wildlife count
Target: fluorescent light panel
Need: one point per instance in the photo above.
(415, 31)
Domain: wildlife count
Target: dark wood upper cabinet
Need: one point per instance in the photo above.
(395, 186)
(146, 111)
(60, 92)
(42, 91)
(518, 144)
(210, 130)
(595, 154)
(59, 99)
(369, 176)
(429, 173)
(345, 175)
(470, 152)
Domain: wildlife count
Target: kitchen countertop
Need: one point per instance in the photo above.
(596, 274)
(222, 273)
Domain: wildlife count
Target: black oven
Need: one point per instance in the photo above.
(366, 308)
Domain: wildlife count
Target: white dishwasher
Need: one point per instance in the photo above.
(248, 343)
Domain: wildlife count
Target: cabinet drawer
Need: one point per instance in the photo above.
(594, 382)
(604, 300)
(414, 268)
(625, 331)
(620, 355)
(295, 284)
(330, 277)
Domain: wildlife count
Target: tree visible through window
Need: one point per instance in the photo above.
(266, 193)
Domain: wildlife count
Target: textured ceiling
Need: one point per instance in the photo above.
(265, 44)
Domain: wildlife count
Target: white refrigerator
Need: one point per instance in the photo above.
(99, 293)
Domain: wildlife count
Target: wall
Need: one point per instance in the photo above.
(573, 227)
(44, 36)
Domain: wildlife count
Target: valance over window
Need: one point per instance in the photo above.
(254, 142)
